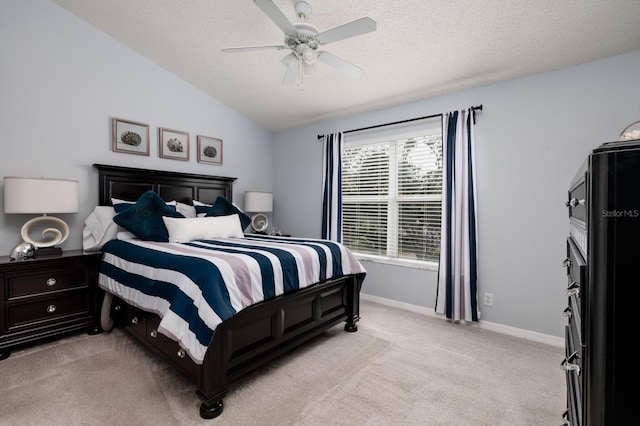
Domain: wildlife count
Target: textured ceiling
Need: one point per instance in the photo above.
(421, 48)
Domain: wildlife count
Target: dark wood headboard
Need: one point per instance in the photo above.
(128, 183)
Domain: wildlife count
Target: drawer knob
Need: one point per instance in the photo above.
(51, 282)
(567, 312)
(51, 308)
(134, 320)
(154, 333)
(181, 353)
(568, 365)
(573, 292)
(566, 262)
(574, 202)
(117, 308)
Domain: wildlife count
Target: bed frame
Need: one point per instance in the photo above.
(255, 335)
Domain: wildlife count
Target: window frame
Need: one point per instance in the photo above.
(428, 128)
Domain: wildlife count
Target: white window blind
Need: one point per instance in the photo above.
(391, 197)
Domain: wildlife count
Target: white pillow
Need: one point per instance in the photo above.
(99, 228)
(203, 228)
(203, 211)
(123, 234)
(115, 201)
(185, 209)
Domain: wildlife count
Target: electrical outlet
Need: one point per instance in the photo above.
(488, 299)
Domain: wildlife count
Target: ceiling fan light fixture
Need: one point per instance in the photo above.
(290, 60)
(304, 39)
(303, 9)
(309, 56)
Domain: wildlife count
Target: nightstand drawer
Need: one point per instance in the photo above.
(65, 303)
(39, 283)
(47, 296)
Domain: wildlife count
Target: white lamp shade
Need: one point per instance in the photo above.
(40, 195)
(258, 201)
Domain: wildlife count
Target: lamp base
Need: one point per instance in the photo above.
(48, 252)
(259, 223)
(52, 235)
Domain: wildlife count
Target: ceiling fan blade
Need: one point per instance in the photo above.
(276, 15)
(350, 29)
(340, 64)
(251, 48)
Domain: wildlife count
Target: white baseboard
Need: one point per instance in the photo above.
(486, 325)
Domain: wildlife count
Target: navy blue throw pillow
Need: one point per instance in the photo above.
(120, 207)
(201, 208)
(144, 218)
(224, 207)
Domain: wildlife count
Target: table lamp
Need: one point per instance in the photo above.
(258, 203)
(25, 195)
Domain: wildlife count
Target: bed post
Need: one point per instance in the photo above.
(353, 304)
(212, 378)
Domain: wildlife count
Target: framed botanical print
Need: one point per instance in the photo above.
(174, 144)
(209, 150)
(130, 136)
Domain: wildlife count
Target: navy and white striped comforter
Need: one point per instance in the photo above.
(195, 286)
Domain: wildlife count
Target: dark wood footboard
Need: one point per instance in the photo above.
(253, 337)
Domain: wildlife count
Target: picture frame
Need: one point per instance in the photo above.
(209, 150)
(131, 137)
(173, 144)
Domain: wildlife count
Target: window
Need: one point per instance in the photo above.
(391, 197)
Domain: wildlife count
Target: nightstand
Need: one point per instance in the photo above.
(47, 297)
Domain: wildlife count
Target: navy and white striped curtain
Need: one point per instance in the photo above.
(331, 187)
(458, 271)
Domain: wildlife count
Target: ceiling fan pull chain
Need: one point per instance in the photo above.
(300, 72)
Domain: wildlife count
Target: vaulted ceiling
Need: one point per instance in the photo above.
(420, 48)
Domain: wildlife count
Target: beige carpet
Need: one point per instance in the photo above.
(400, 368)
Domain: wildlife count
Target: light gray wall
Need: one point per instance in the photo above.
(61, 82)
(531, 137)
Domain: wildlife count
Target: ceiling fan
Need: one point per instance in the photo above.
(303, 39)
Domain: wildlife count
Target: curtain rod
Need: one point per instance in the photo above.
(473, 109)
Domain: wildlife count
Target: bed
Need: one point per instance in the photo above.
(250, 337)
